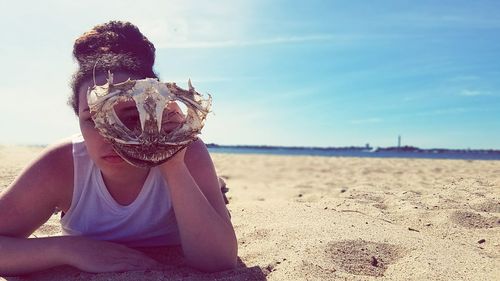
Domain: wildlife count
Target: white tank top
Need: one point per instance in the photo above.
(148, 221)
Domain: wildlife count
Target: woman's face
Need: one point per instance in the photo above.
(101, 151)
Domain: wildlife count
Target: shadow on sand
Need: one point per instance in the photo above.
(174, 268)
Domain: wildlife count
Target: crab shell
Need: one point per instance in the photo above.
(148, 145)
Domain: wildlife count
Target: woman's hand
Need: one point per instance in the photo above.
(173, 117)
(176, 161)
(101, 256)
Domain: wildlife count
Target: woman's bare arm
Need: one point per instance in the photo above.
(207, 235)
(29, 202)
(23, 255)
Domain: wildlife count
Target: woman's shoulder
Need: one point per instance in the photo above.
(197, 152)
(56, 162)
(58, 155)
(197, 145)
(198, 161)
(48, 180)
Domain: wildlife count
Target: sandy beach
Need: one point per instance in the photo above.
(333, 218)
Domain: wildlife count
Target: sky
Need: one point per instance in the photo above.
(290, 73)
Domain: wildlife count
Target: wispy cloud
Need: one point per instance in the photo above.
(366, 121)
(213, 79)
(463, 78)
(473, 93)
(443, 111)
(255, 42)
(456, 20)
(453, 110)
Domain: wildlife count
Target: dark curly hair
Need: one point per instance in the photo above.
(113, 46)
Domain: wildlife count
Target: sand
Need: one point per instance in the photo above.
(325, 218)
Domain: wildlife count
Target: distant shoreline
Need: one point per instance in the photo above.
(356, 151)
(358, 148)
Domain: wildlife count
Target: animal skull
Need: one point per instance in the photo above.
(146, 145)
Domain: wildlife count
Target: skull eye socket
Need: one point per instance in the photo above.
(128, 114)
(183, 108)
(176, 106)
(174, 116)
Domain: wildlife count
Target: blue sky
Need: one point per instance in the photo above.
(301, 73)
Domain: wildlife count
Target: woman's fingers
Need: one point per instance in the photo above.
(100, 256)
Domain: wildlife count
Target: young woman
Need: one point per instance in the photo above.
(108, 204)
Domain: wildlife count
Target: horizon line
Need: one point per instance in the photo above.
(296, 146)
